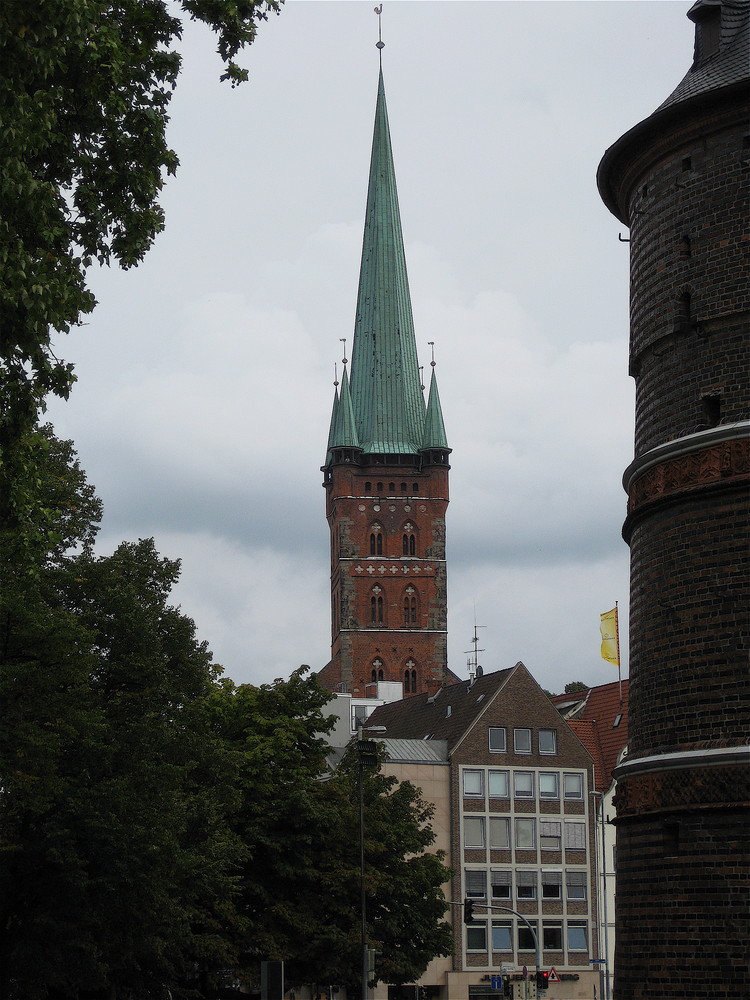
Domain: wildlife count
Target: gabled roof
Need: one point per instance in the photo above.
(425, 717)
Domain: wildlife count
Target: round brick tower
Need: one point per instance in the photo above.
(679, 180)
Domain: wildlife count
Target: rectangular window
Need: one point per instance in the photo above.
(549, 836)
(525, 834)
(473, 831)
(578, 938)
(575, 884)
(499, 832)
(474, 783)
(552, 937)
(551, 885)
(502, 937)
(547, 741)
(476, 937)
(501, 882)
(498, 784)
(359, 716)
(525, 885)
(549, 785)
(525, 937)
(476, 884)
(523, 784)
(575, 836)
(498, 741)
(573, 786)
(522, 740)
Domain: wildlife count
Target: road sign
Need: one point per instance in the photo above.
(553, 976)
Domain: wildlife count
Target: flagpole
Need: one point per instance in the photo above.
(617, 637)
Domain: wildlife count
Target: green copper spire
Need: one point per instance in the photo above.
(387, 401)
(434, 438)
(343, 432)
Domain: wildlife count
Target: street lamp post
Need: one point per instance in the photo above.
(365, 754)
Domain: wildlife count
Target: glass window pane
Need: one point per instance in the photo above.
(573, 784)
(525, 837)
(476, 937)
(498, 782)
(575, 836)
(522, 740)
(473, 831)
(547, 741)
(499, 832)
(501, 937)
(498, 740)
(552, 937)
(473, 783)
(549, 785)
(523, 784)
(525, 937)
(577, 937)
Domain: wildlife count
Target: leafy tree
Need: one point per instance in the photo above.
(116, 864)
(84, 95)
(574, 686)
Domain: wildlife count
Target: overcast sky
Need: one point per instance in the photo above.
(206, 375)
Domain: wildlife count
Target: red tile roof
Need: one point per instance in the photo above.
(601, 724)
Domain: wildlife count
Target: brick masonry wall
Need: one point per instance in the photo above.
(389, 501)
(683, 182)
(690, 257)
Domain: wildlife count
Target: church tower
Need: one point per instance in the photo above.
(680, 181)
(386, 474)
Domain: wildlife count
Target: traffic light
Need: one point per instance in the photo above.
(468, 911)
(542, 980)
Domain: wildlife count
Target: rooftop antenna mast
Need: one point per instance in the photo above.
(472, 662)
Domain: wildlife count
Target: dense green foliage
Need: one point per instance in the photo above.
(157, 823)
(85, 88)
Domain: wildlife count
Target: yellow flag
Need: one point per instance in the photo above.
(610, 638)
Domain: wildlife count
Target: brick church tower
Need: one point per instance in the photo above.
(679, 180)
(386, 474)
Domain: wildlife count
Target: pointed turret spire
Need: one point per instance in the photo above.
(434, 438)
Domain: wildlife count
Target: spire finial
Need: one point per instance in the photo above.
(380, 44)
(335, 374)
(421, 377)
(431, 344)
(344, 359)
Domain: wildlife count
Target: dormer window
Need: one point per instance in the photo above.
(707, 32)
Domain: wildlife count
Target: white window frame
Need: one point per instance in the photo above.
(502, 878)
(549, 829)
(500, 739)
(552, 926)
(568, 778)
(553, 734)
(523, 794)
(507, 927)
(498, 795)
(475, 883)
(516, 737)
(552, 878)
(530, 820)
(545, 776)
(479, 820)
(576, 925)
(496, 823)
(477, 929)
(526, 879)
(577, 879)
(473, 774)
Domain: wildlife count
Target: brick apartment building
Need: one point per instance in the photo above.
(511, 782)
(680, 180)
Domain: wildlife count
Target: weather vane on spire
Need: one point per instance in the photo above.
(432, 347)
(380, 44)
(344, 359)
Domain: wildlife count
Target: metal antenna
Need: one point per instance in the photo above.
(380, 44)
(473, 661)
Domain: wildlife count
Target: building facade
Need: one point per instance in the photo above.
(522, 833)
(680, 181)
(386, 474)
